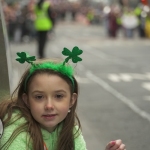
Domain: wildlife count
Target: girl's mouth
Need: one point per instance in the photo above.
(49, 117)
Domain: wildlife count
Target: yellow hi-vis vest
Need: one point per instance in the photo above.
(42, 21)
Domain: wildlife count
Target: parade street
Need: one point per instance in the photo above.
(114, 80)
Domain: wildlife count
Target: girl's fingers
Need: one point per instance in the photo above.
(115, 145)
(110, 144)
(122, 147)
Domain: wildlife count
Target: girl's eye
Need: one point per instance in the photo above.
(38, 97)
(59, 96)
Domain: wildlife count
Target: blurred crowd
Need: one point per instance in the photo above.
(129, 20)
(115, 18)
(19, 20)
(20, 17)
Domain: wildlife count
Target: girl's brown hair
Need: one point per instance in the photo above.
(32, 127)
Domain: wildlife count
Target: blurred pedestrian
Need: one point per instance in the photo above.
(11, 21)
(113, 25)
(90, 16)
(141, 15)
(43, 24)
(129, 22)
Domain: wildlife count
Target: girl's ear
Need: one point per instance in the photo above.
(73, 99)
(25, 99)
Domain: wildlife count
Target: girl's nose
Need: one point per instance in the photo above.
(49, 105)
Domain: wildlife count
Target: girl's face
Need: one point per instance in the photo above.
(49, 100)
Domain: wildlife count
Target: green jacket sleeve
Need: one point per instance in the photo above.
(17, 143)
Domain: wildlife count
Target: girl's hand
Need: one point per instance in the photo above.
(115, 145)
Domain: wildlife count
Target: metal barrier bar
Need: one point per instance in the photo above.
(5, 61)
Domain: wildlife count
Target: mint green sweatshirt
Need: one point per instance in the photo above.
(20, 142)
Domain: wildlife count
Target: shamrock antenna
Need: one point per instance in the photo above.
(72, 55)
(25, 58)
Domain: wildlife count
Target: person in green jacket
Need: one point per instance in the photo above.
(41, 114)
(43, 24)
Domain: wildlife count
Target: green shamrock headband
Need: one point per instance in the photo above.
(66, 70)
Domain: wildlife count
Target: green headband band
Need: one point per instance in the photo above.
(66, 70)
(59, 67)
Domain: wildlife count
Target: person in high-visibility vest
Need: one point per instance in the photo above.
(43, 24)
(141, 15)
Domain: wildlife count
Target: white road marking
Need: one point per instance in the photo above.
(120, 77)
(146, 85)
(118, 95)
(128, 77)
(148, 75)
(114, 77)
(140, 76)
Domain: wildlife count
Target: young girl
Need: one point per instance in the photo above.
(41, 114)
